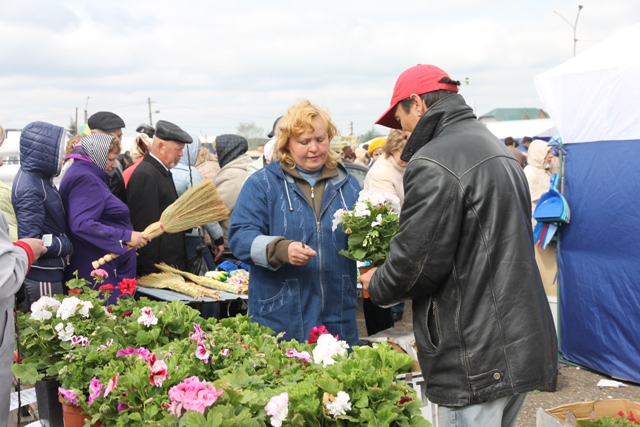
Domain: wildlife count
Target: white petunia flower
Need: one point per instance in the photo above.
(360, 209)
(378, 221)
(147, 318)
(41, 315)
(68, 307)
(337, 217)
(327, 347)
(85, 306)
(65, 332)
(340, 404)
(278, 408)
(45, 303)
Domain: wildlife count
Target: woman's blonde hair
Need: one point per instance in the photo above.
(115, 146)
(204, 155)
(71, 143)
(394, 142)
(298, 120)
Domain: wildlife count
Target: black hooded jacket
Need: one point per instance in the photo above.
(465, 256)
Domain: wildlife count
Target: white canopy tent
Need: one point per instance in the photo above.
(541, 128)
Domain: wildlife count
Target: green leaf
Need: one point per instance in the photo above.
(214, 419)
(195, 419)
(27, 373)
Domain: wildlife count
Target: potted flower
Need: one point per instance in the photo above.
(244, 375)
(371, 224)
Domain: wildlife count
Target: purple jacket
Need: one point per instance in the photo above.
(98, 223)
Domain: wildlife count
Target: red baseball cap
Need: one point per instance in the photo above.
(419, 79)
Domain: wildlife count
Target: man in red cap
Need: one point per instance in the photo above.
(464, 255)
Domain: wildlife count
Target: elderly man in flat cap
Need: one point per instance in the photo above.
(151, 190)
(111, 124)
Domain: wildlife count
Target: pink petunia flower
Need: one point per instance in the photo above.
(192, 394)
(158, 373)
(113, 383)
(198, 335)
(315, 332)
(225, 352)
(147, 318)
(303, 355)
(122, 407)
(201, 352)
(69, 395)
(94, 390)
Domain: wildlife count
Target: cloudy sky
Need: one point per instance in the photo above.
(208, 65)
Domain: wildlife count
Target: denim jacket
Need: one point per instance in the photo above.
(294, 299)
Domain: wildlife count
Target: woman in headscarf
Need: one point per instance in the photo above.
(538, 172)
(234, 161)
(98, 221)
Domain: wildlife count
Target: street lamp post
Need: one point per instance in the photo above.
(574, 26)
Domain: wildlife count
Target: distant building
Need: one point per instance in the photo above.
(506, 114)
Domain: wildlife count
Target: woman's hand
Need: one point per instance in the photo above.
(217, 252)
(138, 240)
(299, 253)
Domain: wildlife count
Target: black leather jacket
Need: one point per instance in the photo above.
(465, 256)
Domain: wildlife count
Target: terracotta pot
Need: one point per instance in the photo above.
(363, 270)
(74, 416)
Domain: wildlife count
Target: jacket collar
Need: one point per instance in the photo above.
(162, 168)
(337, 178)
(451, 109)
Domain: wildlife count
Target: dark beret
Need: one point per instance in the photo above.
(167, 131)
(105, 120)
(273, 130)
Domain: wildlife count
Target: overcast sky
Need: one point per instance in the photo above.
(209, 65)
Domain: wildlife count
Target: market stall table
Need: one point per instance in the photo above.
(226, 298)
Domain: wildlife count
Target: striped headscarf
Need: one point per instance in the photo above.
(96, 146)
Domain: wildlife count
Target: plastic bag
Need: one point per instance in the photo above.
(196, 264)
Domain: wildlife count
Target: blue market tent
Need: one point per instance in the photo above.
(594, 99)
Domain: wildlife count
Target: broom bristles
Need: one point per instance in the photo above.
(200, 204)
(207, 282)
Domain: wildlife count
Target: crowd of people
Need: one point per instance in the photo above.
(464, 256)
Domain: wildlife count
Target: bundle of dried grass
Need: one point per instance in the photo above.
(174, 282)
(207, 282)
(200, 204)
(177, 283)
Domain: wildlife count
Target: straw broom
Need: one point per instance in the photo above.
(200, 204)
(207, 282)
(176, 283)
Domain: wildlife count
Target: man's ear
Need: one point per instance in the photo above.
(420, 104)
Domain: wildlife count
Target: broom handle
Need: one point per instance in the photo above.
(105, 259)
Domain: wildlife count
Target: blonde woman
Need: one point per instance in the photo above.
(282, 227)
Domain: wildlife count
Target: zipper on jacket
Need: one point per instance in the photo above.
(320, 262)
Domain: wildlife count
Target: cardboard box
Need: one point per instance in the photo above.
(567, 415)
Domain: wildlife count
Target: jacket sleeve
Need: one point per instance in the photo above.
(86, 204)
(420, 259)
(249, 230)
(14, 263)
(143, 194)
(28, 204)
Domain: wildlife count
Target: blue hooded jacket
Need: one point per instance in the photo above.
(36, 201)
(182, 181)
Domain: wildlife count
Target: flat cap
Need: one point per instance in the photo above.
(105, 120)
(167, 131)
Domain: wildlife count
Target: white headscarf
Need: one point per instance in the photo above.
(96, 146)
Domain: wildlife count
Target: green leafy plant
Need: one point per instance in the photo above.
(621, 421)
(370, 226)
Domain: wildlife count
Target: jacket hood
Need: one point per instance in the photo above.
(42, 149)
(230, 147)
(538, 150)
(190, 152)
(441, 114)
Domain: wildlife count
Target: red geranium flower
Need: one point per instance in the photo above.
(315, 332)
(74, 291)
(404, 399)
(106, 288)
(127, 286)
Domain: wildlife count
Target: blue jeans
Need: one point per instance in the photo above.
(501, 412)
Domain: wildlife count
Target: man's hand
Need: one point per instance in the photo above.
(37, 246)
(217, 252)
(299, 253)
(365, 278)
(138, 240)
